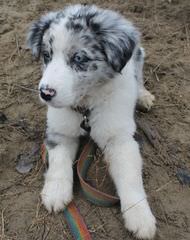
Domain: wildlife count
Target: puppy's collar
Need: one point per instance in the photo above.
(85, 112)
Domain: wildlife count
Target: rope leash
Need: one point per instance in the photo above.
(72, 215)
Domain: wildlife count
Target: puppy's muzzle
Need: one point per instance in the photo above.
(47, 93)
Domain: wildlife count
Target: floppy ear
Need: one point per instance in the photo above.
(117, 36)
(119, 51)
(36, 32)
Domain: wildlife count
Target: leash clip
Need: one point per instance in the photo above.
(85, 123)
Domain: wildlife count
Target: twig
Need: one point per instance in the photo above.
(13, 194)
(132, 206)
(163, 186)
(163, 60)
(187, 35)
(64, 229)
(17, 44)
(104, 177)
(45, 237)
(157, 78)
(8, 105)
(166, 106)
(18, 182)
(96, 169)
(38, 208)
(26, 88)
(35, 175)
(165, 217)
(2, 224)
(148, 133)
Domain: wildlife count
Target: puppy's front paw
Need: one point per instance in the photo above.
(146, 100)
(140, 221)
(56, 194)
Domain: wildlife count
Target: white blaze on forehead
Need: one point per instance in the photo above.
(59, 34)
(64, 39)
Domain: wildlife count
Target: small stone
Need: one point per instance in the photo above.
(183, 176)
(26, 160)
(23, 166)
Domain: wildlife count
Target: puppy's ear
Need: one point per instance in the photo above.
(36, 32)
(118, 38)
(119, 51)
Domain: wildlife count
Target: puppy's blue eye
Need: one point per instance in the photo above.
(78, 58)
(46, 57)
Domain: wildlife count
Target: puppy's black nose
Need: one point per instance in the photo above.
(47, 93)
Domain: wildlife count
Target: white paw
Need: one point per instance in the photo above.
(140, 221)
(146, 99)
(56, 194)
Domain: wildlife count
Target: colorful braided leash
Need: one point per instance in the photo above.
(72, 215)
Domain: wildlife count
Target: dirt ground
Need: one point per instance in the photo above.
(164, 132)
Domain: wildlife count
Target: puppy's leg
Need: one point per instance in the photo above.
(58, 188)
(145, 98)
(125, 165)
(63, 129)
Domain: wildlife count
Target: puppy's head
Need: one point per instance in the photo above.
(82, 48)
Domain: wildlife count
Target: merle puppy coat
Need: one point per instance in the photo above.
(92, 59)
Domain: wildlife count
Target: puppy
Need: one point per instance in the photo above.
(92, 59)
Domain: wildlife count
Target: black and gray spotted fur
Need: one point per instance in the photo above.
(107, 35)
